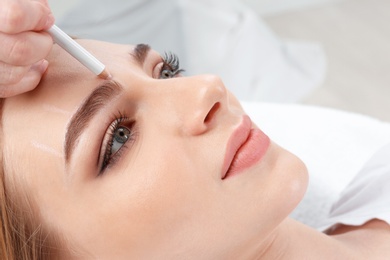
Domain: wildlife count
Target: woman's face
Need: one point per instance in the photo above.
(134, 167)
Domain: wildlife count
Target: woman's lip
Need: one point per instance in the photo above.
(245, 147)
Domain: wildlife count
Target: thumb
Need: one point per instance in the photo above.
(47, 19)
(40, 16)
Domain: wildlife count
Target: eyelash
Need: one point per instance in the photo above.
(108, 157)
(171, 66)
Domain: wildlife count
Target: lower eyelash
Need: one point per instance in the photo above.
(114, 158)
(108, 157)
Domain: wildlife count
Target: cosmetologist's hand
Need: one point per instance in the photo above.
(23, 44)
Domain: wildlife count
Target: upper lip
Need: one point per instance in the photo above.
(236, 140)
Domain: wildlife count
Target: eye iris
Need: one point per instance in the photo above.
(121, 135)
(166, 74)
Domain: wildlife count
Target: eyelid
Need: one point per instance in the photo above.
(157, 68)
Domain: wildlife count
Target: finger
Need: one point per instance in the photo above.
(29, 82)
(24, 48)
(12, 74)
(18, 16)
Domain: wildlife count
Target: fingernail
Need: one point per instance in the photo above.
(40, 66)
(44, 65)
(49, 21)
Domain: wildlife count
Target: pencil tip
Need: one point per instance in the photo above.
(105, 75)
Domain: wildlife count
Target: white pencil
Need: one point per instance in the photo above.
(78, 52)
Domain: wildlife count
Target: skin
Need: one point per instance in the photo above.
(164, 197)
(24, 44)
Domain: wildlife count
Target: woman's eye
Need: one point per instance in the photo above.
(120, 137)
(167, 74)
(119, 134)
(170, 67)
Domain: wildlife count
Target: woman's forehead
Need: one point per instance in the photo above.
(66, 80)
(66, 74)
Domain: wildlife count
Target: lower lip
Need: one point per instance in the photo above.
(251, 152)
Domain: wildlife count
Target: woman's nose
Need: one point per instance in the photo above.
(203, 100)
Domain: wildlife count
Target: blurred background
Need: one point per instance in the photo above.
(354, 36)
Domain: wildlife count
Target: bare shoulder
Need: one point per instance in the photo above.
(369, 241)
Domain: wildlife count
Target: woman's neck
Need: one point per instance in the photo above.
(294, 240)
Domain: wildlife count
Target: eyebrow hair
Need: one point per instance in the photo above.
(140, 53)
(96, 101)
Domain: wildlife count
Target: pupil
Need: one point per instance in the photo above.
(122, 134)
(166, 74)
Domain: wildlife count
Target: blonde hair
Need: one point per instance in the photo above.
(21, 238)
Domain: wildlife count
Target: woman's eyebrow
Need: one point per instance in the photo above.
(140, 53)
(96, 101)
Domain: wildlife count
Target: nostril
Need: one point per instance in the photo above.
(212, 112)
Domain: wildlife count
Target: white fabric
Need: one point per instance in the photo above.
(367, 196)
(223, 37)
(334, 145)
